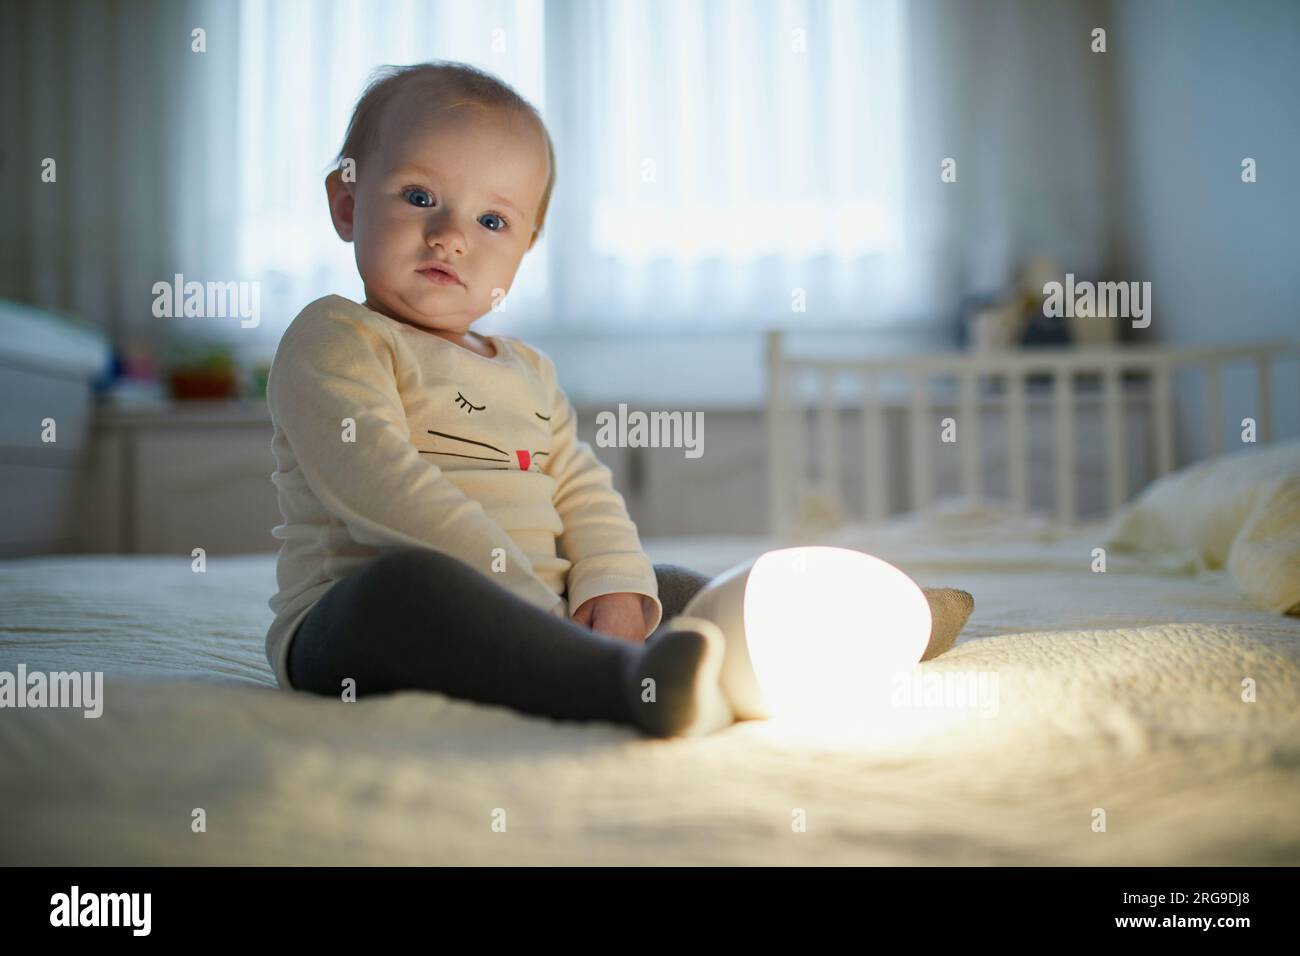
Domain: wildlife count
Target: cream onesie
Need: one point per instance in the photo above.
(388, 436)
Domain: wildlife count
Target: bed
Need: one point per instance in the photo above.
(1122, 733)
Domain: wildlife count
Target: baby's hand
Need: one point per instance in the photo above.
(619, 615)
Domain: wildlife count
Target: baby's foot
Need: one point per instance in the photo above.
(685, 663)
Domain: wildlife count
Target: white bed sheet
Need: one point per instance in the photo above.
(1118, 692)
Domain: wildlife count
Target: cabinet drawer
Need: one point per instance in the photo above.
(210, 491)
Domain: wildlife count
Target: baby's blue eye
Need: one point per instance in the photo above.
(492, 215)
(411, 195)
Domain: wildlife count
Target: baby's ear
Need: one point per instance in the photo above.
(342, 203)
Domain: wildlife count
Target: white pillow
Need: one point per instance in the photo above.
(1240, 511)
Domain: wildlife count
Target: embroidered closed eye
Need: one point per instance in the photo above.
(466, 404)
(545, 418)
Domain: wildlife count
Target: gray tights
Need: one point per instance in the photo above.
(418, 619)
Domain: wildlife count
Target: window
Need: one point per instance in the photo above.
(715, 156)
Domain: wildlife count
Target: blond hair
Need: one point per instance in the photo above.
(449, 84)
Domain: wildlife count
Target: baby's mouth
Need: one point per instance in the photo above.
(438, 277)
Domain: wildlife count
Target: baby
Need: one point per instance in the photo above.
(444, 529)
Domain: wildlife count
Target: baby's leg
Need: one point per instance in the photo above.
(677, 585)
(418, 619)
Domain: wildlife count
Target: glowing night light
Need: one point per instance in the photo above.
(813, 629)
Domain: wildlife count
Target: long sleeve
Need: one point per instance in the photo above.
(379, 486)
(599, 538)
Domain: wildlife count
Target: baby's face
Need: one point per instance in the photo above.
(460, 187)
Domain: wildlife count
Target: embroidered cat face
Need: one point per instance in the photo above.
(464, 446)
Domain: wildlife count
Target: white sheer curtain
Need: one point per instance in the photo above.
(139, 127)
(714, 156)
(717, 157)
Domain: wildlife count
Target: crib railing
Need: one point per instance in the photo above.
(1010, 371)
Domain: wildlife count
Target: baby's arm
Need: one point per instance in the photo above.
(599, 537)
(334, 367)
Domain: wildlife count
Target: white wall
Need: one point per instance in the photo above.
(1199, 86)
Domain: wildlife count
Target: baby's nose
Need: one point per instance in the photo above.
(524, 459)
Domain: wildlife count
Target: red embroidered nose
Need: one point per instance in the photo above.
(524, 458)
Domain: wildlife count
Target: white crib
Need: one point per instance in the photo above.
(806, 401)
